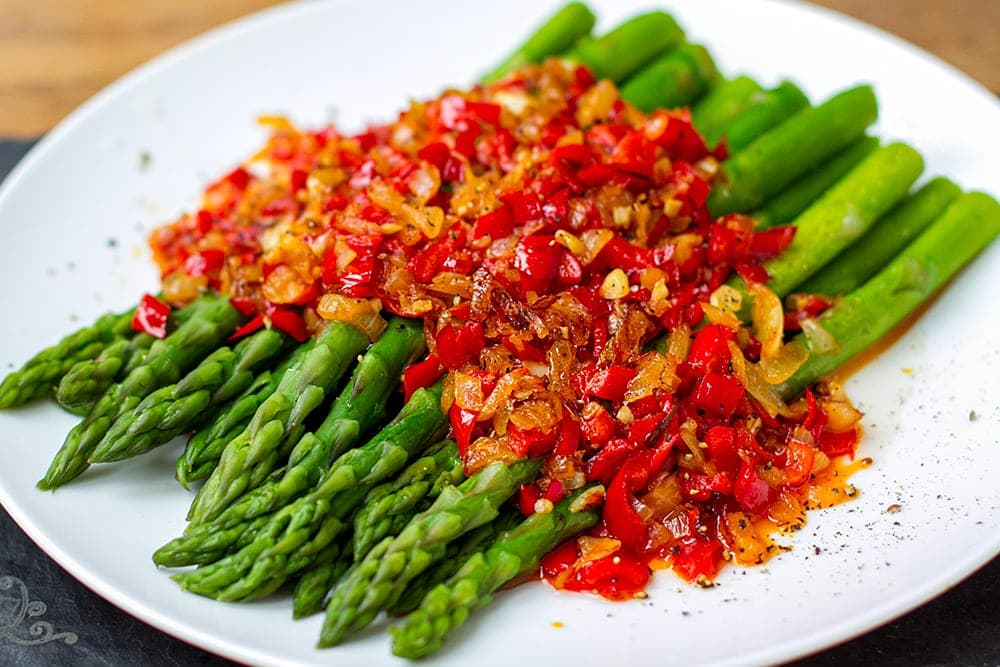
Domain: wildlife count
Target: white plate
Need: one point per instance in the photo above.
(76, 212)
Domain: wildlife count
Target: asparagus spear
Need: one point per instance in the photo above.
(843, 214)
(87, 380)
(202, 452)
(310, 590)
(777, 105)
(175, 409)
(360, 407)
(723, 103)
(278, 423)
(880, 244)
(39, 376)
(780, 156)
(517, 552)
(166, 360)
(797, 197)
(375, 583)
(560, 32)
(673, 80)
(455, 557)
(395, 504)
(625, 49)
(299, 531)
(862, 317)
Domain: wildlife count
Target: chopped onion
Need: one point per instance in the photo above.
(783, 365)
(768, 319)
(820, 340)
(365, 314)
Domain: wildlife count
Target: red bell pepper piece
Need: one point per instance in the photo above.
(151, 316)
(799, 458)
(608, 383)
(696, 557)
(203, 262)
(771, 242)
(710, 350)
(463, 423)
(569, 437)
(421, 374)
(615, 577)
(751, 492)
(289, 321)
(458, 345)
(527, 496)
(718, 394)
(496, 224)
(721, 441)
(255, 324)
(838, 444)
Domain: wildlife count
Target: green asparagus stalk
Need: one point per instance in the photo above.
(301, 530)
(393, 505)
(726, 100)
(629, 46)
(375, 583)
(778, 157)
(862, 317)
(166, 361)
(176, 409)
(456, 555)
(675, 79)
(278, 423)
(83, 384)
(202, 452)
(879, 245)
(844, 213)
(777, 105)
(40, 375)
(517, 552)
(797, 197)
(360, 407)
(309, 594)
(560, 32)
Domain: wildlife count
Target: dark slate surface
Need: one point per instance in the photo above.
(961, 627)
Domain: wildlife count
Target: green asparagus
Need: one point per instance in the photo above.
(300, 530)
(844, 213)
(865, 315)
(778, 157)
(800, 195)
(876, 248)
(456, 555)
(40, 375)
(727, 99)
(375, 583)
(395, 504)
(560, 32)
(175, 409)
(165, 362)
(629, 46)
(517, 552)
(278, 423)
(83, 384)
(776, 106)
(360, 407)
(673, 80)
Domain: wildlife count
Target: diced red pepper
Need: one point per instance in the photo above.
(598, 425)
(718, 394)
(699, 487)
(569, 437)
(799, 458)
(255, 324)
(496, 224)
(421, 374)
(609, 383)
(721, 441)
(751, 492)
(527, 496)
(463, 423)
(838, 444)
(203, 262)
(555, 492)
(458, 345)
(771, 242)
(530, 442)
(289, 321)
(697, 557)
(151, 316)
(244, 306)
(710, 349)
(615, 577)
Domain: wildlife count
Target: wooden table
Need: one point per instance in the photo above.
(53, 56)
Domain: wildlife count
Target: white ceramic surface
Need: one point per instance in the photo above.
(75, 214)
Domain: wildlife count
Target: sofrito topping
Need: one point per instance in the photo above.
(580, 301)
